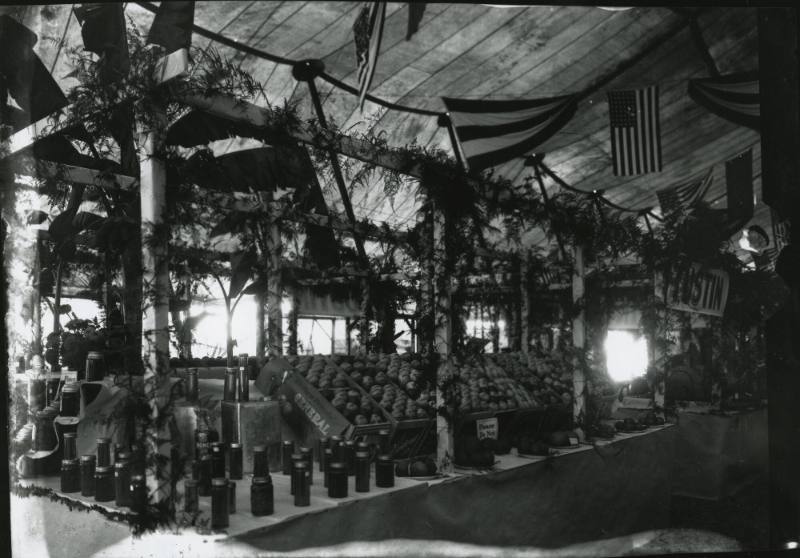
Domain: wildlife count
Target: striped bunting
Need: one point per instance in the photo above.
(635, 131)
(367, 33)
(734, 97)
(493, 132)
(684, 196)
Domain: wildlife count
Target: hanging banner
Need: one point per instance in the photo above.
(691, 288)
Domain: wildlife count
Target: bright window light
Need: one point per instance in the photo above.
(626, 355)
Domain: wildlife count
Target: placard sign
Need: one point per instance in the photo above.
(693, 288)
(487, 428)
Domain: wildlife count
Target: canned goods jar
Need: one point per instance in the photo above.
(190, 500)
(204, 476)
(229, 389)
(328, 457)
(362, 471)
(122, 483)
(70, 405)
(333, 444)
(235, 461)
(231, 497)
(337, 480)
(192, 385)
(287, 449)
(88, 464)
(260, 461)
(95, 366)
(301, 483)
(350, 457)
(104, 452)
(70, 476)
(383, 441)
(296, 457)
(138, 492)
(119, 449)
(309, 457)
(384, 472)
(217, 460)
(219, 503)
(262, 500)
(243, 380)
(103, 484)
(322, 445)
(70, 445)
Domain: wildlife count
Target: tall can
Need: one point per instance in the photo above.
(287, 449)
(122, 483)
(231, 497)
(217, 460)
(362, 471)
(309, 457)
(302, 484)
(260, 461)
(243, 386)
(192, 385)
(88, 465)
(229, 389)
(70, 445)
(262, 498)
(104, 452)
(296, 457)
(95, 366)
(235, 461)
(190, 496)
(219, 504)
(322, 445)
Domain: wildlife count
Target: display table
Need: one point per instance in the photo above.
(718, 454)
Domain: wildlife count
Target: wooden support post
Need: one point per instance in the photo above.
(578, 339)
(274, 289)
(494, 311)
(363, 322)
(261, 337)
(155, 306)
(36, 302)
(525, 315)
(333, 336)
(347, 339)
(293, 313)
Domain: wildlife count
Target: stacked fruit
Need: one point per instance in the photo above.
(548, 380)
(478, 392)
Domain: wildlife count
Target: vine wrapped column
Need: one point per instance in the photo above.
(525, 314)
(578, 339)
(274, 247)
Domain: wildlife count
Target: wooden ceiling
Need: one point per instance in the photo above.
(480, 51)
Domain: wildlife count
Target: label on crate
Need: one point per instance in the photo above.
(69, 376)
(487, 428)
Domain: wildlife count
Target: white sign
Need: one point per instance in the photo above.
(693, 288)
(487, 428)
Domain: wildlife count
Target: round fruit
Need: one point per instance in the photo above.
(419, 469)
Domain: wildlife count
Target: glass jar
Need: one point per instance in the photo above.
(231, 497)
(219, 503)
(95, 366)
(44, 430)
(202, 443)
(138, 494)
(104, 452)
(70, 445)
(190, 500)
(243, 380)
(70, 400)
(383, 441)
(261, 496)
(260, 461)
(119, 449)
(301, 483)
(217, 459)
(229, 389)
(328, 457)
(70, 476)
(122, 483)
(103, 484)
(337, 480)
(296, 457)
(362, 471)
(287, 449)
(204, 476)
(322, 445)
(384, 472)
(235, 461)
(309, 457)
(192, 385)
(349, 455)
(88, 464)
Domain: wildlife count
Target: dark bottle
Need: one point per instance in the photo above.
(70, 400)
(70, 445)
(262, 500)
(384, 472)
(231, 497)
(260, 461)
(119, 449)
(217, 460)
(104, 452)
(87, 474)
(337, 480)
(137, 455)
(334, 443)
(122, 483)
(190, 496)
(204, 476)
(350, 457)
(70, 476)
(322, 445)
(243, 380)
(219, 503)
(383, 441)
(138, 491)
(295, 458)
(328, 457)
(300, 481)
(362, 471)
(95, 366)
(103, 484)
(309, 457)
(192, 385)
(229, 389)
(287, 449)
(235, 461)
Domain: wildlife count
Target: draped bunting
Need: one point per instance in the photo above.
(734, 97)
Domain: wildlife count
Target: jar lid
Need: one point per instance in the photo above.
(217, 446)
(350, 443)
(362, 445)
(70, 434)
(137, 479)
(298, 457)
(190, 483)
(362, 455)
(383, 432)
(94, 354)
(235, 445)
(70, 387)
(103, 470)
(103, 440)
(385, 458)
(300, 465)
(205, 457)
(304, 450)
(88, 458)
(69, 463)
(219, 481)
(262, 480)
(288, 443)
(125, 456)
(324, 440)
(47, 412)
(121, 465)
(259, 449)
(328, 451)
(336, 438)
(338, 465)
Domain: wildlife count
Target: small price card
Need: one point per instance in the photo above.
(487, 428)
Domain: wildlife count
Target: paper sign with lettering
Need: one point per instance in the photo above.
(69, 376)
(487, 428)
(692, 288)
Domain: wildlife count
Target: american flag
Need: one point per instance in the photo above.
(684, 196)
(780, 238)
(635, 131)
(367, 32)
